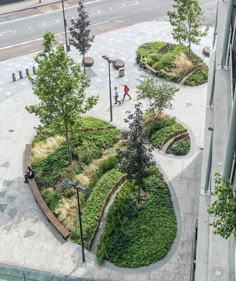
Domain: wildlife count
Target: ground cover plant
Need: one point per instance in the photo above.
(172, 62)
(51, 165)
(92, 209)
(139, 233)
(180, 147)
(161, 129)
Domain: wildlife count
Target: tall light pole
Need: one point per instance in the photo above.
(83, 189)
(65, 24)
(109, 75)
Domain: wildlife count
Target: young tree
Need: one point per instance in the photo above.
(80, 33)
(60, 87)
(186, 21)
(159, 96)
(224, 208)
(136, 158)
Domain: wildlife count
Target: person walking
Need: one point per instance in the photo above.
(126, 92)
(116, 96)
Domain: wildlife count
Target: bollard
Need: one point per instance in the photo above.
(34, 69)
(20, 74)
(13, 77)
(27, 71)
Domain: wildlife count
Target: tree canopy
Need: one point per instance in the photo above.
(159, 96)
(137, 157)
(61, 89)
(80, 33)
(186, 20)
(223, 209)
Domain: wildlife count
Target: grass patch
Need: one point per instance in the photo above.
(138, 234)
(198, 77)
(172, 63)
(159, 130)
(95, 203)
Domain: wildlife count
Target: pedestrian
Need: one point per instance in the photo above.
(116, 96)
(29, 174)
(126, 92)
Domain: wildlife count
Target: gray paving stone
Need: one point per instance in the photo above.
(3, 193)
(29, 233)
(5, 164)
(11, 198)
(3, 207)
(12, 212)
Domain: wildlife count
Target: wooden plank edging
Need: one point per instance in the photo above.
(113, 190)
(39, 199)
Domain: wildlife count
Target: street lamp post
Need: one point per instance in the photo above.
(83, 189)
(65, 24)
(109, 75)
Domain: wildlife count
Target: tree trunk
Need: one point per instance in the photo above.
(84, 64)
(68, 143)
(189, 50)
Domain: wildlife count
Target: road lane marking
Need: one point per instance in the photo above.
(9, 32)
(103, 22)
(38, 39)
(95, 12)
(126, 4)
(50, 12)
(48, 23)
(27, 42)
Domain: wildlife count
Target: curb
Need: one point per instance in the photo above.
(29, 8)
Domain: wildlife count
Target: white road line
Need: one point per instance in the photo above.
(120, 21)
(95, 24)
(50, 12)
(9, 32)
(48, 23)
(126, 4)
(95, 12)
(27, 42)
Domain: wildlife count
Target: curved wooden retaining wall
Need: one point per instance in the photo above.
(172, 136)
(114, 189)
(39, 199)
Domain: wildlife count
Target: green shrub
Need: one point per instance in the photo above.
(198, 77)
(51, 198)
(96, 200)
(103, 167)
(166, 62)
(180, 147)
(138, 234)
(47, 171)
(158, 138)
(90, 122)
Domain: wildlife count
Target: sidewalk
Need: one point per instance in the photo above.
(26, 238)
(31, 4)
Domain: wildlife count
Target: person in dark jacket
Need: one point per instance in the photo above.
(29, 174)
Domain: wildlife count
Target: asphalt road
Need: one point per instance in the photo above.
(19, 35)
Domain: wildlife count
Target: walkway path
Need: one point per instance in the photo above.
(26, 238)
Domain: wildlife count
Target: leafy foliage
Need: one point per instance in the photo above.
(60, 87)
(159, 130)
(80, 33)
(159, 96)
(47, 171)
(137, 156)
(51, 198)
(172, 65)
(186, 21)
(180, 147)
(95, 202)
(198, 77)
(138, 234)
(224, 208)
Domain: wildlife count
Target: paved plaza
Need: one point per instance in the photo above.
(26, 237)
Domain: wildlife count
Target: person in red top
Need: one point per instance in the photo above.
(126, 92)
